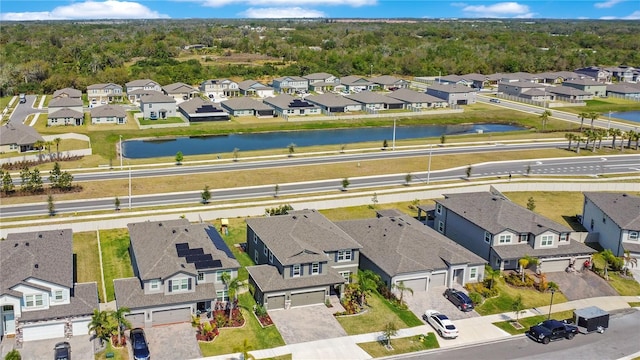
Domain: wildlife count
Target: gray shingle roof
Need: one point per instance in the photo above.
(141, 83)
(623, 209)
(154, 247)
(192, 107)
(301, 236)
(129, 293)
(496, 214)
(252, 84)
(624, 88)
(399, 244)
(368, 97)
(584, 82)
(18, 133)
(82, 303)
(156, 97)
(516, 251)
(178, 88)
(331, 100)
(65, 102)
(45, 255)
(269, 279)
(451, 88)
(318, 76)
(244, 103)
(566, 90)
(524, 84)
(284, 101)
(386, 80)
(65, 113)
(411, 96)
(354, 80)
(103, 86)
(67, 92)
(108, 110)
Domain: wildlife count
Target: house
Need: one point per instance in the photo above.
(178, 269)
(567, 93)
(287, 105)
(290, 85)
(301, 258)
(254, 88)
(615, 218)
(624, 90)
(322, 82)
(452, 80)
(108, 114)
(598, 74)
(416, 100)
(502, 232)
(104, 93)
(588, 85)
(141, 84)
(375, 101)
(334, 103)
(245, 106)
(39, 299)
(17, 137)
(354, 83)
(67, 93)
(155, 105)
(519, 77)
(522, 89)
(400, 248)
(388, 82)
(453, 94)
(478, 81)
(199, 109)
(219, 88)
(180, 91)
(65, 111)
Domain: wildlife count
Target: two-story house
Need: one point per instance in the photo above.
(38, 297)
(180, 91)
(615, 219)
(322, 82)
(65, 111)
(255, 88)
(301, 258)
(525, 90)
(136, 88)
(400, 248)
(67, 93)
(589, 85)
(219, 88)
(178, 269)
(290, 85)
(155, 105)
(453, 94)
(502, 232)
(104, 93)
(596, 73)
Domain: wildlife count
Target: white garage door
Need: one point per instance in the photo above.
(416, 284)
(136, 320)
(275, 302)
(438, 279)
(43, 331)
(307, 298)
(80, 327)
(171, 316)
(555, 265)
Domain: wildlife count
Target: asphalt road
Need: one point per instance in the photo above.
(21, 111)
(564, 166)
(620, 339)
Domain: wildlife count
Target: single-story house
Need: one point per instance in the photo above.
(108, 114)
(178, 269)
(519, 77)
(625, 90)
(566, 93)
(141, 84)
(478, 81)
(502, 232)
(67, 93)
(453, 94)
(255, 88)
(290, 84)
(288, 105)
(17, 137)
(65, 111)
(180, 91)
(198, 109)
(333, 103)
(453, 80)
(38, 296)
(301, 258)
(375, 101)
(400, 248)
(417, 100)
(353, 83)
(520, 88)
(589, 85)
(322, 82)
(155, 105)
(104, 93)
(615, 219)
(388, 82)
(245, 106)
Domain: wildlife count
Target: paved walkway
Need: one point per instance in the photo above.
(472, 331)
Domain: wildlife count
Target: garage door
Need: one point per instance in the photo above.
(171, 316)
(438, 279)
(275, 302)
(555, 265)
(307, 298)
(43, 331)
(80, 327)
(136, 320)
(416, 284)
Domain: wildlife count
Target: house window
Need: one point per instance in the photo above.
(200, 276)
(487, 237)
(591, 224)
(295, 270)
(270, 257)
(524, 237)
(505, 239)
(219, 275)
(58, 295)
(154, 284)
(546, 240)
(33, 300)
(473, 273)
(222, 295)
(633, 235)
(264, 249)
(255, 238)
(497, 261)
(441, 226)
(438, 209)
(315, 268)
(564, 237)
(180, 285)
(255, 256)
(604, 220)
(344, 255)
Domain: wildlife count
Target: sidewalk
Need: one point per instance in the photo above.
(472, 331)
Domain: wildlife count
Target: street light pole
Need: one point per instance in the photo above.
(120, 152)
(129, 187)
(393, 142)
(429, 169)
(370, 70)
(609, 122)
(553, 291)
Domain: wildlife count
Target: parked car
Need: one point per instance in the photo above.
(551, 330)
(139, 344)
(441, 323)
(459, 299)
(497, 101)
(62, 351)
(23, 98)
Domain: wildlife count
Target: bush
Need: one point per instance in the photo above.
(482, 289)
(514, 279)
(476, 298)
(13, 355)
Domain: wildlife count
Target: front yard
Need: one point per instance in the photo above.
(401, 345)
(531, 321)
(378, 314)
(507, 294)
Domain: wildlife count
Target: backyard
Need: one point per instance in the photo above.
(116, 262)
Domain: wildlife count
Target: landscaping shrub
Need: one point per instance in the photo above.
(514, 279)
(475, 297)
(482, 289)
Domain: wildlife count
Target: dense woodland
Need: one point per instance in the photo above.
(39, 57)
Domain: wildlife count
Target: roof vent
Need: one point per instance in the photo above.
(624, 195)
(15, 245)
(26, 244)
(294, 217)
(40, 236)
(159, 224)
(186, 230)
(173, 231)
(35, 266)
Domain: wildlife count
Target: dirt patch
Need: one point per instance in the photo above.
(581, 285)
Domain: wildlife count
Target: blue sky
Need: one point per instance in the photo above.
(12, 10)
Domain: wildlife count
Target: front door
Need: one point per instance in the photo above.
(8, 320)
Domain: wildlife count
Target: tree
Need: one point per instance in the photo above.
(517, 306)
(39, 144)
(179, 158)
(629, 261)
(7, 183)
(233, 285)
(545, 117)
(443, 138)
(407, 179)
(276, 190)
(25, 175)
(615, 133)
(235, 154)
(292, 149)
(491, 273)
(525, 262)
(400, 286)
(367, 282)
(385, 144)
(54, 175)
(390, 329)
(57, 141)
(593, 116)
(120, 317)
(528, 169)
(342, 147)
(13, 355)
(51, 206)
(244, 350)
(531, 204)
(468, 171)
(35, 181)
(582, 116)
(578, 140)
(100, 324)
(116, 202)
(623, 136)
(570, 137)
(345, 184)
(374, 200)
(206, 195)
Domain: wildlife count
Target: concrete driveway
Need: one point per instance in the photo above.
(307, 323)
(171, 342)
(81, 348)
(581, 285)
(433, 299)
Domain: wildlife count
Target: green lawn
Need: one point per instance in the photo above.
(115, 257)
(531, 321)
(170, 120)
(507, 294)
(85, 248)
(634, 304)
(559, 206)
(118, 353)
(237, 235)
(377, 316)
(623, 285)
(401, 345)
(230, 340)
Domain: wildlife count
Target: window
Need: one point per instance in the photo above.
(255, 256)
(438, 209)
(200, 276)
(546, 240)
(344, 255)
(270, 257)
(295, 270)
(604, 220)
(58, 295)
(524, 237)
(591, 224)
(264, 249)
(487, 237)
(33, 300)
(473, 273)
(564, 237)
(633, 235)
(154, 284)
(440, 226)
(505, 239)
(219, 275)
(315, 268)
(255, 238)
(346, 275)
(222, 295)
(180, 285)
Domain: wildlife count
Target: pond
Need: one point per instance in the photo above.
(626, 115)
(140, 149)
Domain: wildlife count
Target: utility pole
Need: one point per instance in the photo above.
(429, 169)
(129, 187)
(393, 143)
(120, 152)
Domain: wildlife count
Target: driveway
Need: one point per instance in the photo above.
(81, 348)
(433, 299)
(581, 285)
(177, 341)
(307, 323)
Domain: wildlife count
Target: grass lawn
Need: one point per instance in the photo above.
(531, 321)
(118, 353)
(634, 304)
(560, 206)
(401, 345)
(85, 248)
(507, 294)
(231, 340)
(623, 285)
(169, 120)
(377, 316)
(237, 235)
(115, 257)
(281, 357)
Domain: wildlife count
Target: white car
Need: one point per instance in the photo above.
(441, 323)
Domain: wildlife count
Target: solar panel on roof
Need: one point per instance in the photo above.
(197, 258)
(208, 264)
(197, 251)
(207, 109)
(299, 103)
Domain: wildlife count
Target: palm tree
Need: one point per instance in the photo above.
(39, 145)
(233, 285)
(594, 136)
(631, 135)
(601, 133)
(623, 136)
(244, 350)
(57, 141)
(120, 317)
(578, 140)
(545, 117)
(492, 274)
(615, 133)
(525, 262)
(400, 286)
(570, 137)
(367, 284)
(593, 116)
(100, 324)
(629, 260)
(582, 116)
(587, 135)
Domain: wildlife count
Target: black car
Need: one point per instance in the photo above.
(62, 351)
(459, 299)
(139, 345)
(551, 330)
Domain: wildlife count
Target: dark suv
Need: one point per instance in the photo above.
(551, 330)
(459, 299)
(62, 351)
(139, 345)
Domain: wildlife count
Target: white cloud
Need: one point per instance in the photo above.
(286, 3)
(499, 10)
(281, 13)
(633, 16)
(110, 9)
(607, 4)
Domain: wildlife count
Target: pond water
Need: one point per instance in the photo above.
(140, 149)
(626, 115)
